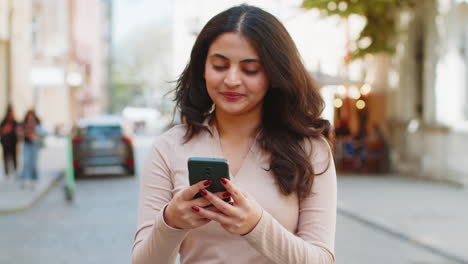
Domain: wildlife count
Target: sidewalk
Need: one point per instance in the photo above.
(51, 167)
(431, 215)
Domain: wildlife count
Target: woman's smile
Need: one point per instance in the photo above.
(232, 96)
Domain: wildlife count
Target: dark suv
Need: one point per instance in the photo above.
(100, 147)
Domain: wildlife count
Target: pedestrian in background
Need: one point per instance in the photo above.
(33, 136)
(245, 96)
(9, 141)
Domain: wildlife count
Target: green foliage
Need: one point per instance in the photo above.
(125, 90)
(381, 17)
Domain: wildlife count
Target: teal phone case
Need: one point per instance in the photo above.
(213, 169)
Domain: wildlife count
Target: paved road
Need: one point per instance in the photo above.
(357, 243)
(98, 228)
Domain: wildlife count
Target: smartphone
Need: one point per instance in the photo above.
(201, 169)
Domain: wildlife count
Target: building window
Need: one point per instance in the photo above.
(35, 34)
(464, 52)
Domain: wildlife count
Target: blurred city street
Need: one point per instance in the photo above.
(90, 83)
(381, 219)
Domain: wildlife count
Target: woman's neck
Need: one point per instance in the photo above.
(237, 127)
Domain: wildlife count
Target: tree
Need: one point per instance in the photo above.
(379, 35)
(142, 66)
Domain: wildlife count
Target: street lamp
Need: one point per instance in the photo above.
(74, 78)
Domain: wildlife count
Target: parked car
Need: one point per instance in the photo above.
(102, 146)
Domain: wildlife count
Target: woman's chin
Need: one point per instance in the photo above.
(232, 111)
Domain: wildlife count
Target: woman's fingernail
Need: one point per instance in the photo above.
(231, 203)
(195, 208)
(207, 182)
(224, 180)
(226, 194)
(203, 191)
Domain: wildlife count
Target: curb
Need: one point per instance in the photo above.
(36, 199)
(450, 179)
(385, 228)
(455, 182)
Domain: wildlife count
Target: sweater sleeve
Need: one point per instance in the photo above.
(315, 238)
(155, 241)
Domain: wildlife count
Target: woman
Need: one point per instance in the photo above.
(9, 140)
(32, 135)
(244, 96)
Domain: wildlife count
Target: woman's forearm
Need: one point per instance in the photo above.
(279, 245)
(157, 242)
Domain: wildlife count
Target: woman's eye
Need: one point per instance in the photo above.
(251, 71)
(218, 67)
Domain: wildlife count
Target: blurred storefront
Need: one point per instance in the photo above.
(428, 110)
(357, 112)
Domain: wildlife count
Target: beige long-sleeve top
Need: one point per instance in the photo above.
(289, 231)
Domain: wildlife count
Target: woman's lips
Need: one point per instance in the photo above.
(230, 96)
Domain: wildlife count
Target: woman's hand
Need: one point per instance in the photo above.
(180, 212)
(239, 217)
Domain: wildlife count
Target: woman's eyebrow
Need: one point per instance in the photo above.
(226, 58)
(251, 60)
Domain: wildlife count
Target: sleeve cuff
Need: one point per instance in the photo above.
(162, 225)
(258, 231)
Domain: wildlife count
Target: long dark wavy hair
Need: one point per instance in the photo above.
(292, 105)
(31, 114)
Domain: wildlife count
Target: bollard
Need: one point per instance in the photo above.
(70, 173)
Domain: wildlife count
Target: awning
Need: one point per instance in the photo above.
(325, 79)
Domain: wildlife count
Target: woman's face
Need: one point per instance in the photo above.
(235, 78)
(30, 117)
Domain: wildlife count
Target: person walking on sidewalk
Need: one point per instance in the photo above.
(9, 141)
(33, 134)
(244, 96)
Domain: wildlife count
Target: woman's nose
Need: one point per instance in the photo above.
(233, 77)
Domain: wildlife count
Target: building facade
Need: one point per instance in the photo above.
(69, 67)
(15, 56)
(4, 61)
(89, 46)
(429, 106)
(53, 58)
(50, 47)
